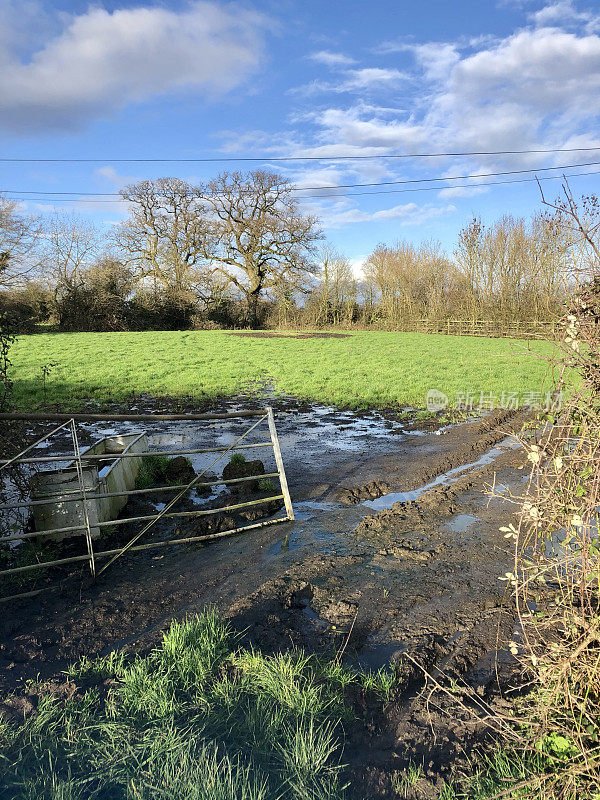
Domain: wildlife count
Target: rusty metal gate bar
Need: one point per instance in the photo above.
(91, 457)
(18, 459)
(84, 500)
(163, 512)
(84, 497)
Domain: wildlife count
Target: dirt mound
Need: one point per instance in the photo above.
(179, 471)
(447, 672)
(275, 335)
(244, 469)
(369, 491)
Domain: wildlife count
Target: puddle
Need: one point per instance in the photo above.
(460, 523)
(321, 436)
(307, 509)
(386, 501)
(376, 656)
(321, 530)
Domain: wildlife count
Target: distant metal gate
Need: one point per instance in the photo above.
(83, 496)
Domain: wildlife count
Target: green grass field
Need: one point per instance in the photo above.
(365, 369)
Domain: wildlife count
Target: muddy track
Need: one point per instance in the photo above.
(413, 587)
(460, 445)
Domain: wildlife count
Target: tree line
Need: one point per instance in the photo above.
(238, 251)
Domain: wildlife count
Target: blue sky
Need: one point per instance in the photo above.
(304, 78)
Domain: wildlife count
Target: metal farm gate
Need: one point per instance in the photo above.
(82, 496)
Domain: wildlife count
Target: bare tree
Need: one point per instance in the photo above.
(19, 237)
(514, 267)
(336, 292)
(256, 235)
(469, 259)
(412, 280)
(163, 237)
(71, 246)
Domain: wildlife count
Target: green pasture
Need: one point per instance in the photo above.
(363, 369)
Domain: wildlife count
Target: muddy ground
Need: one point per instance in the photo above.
(276, 335)
(374, 567)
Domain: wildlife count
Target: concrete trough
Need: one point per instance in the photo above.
(99, 477)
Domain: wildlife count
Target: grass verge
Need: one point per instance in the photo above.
(363, 369)
(197, 719)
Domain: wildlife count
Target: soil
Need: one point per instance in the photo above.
(412, 587)
(275, 335)
(179, 471)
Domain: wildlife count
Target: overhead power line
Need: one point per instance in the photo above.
(455, 186)
(226, 159)
(354, 194)
(332, 187)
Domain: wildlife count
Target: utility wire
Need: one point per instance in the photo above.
(333, 187)
(354, 194)
(456, 186)
(226, 159)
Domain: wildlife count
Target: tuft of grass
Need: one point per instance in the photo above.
(28, 552)
(365, 369)
(151, 471)
(237, 459)
(447, 792)
(507, 773)
(266, 485)
(308, 757)
(380, 683)
(405, 781)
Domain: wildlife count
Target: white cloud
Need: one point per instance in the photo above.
(109, 175)
(531, 86)
(513, 3)
(330, 59)
(319, 178)
(368, 79)
(352, 127)
(462, 191)
(562, 13)
(102, 60)
(357, 263)
(436, 59)
(407, 214)
(373, 78)
(536, 89)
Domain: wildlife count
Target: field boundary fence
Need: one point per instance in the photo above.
(80, 496)
(495, 329)
(515, 329)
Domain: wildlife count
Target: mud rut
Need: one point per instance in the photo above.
(419, 578)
